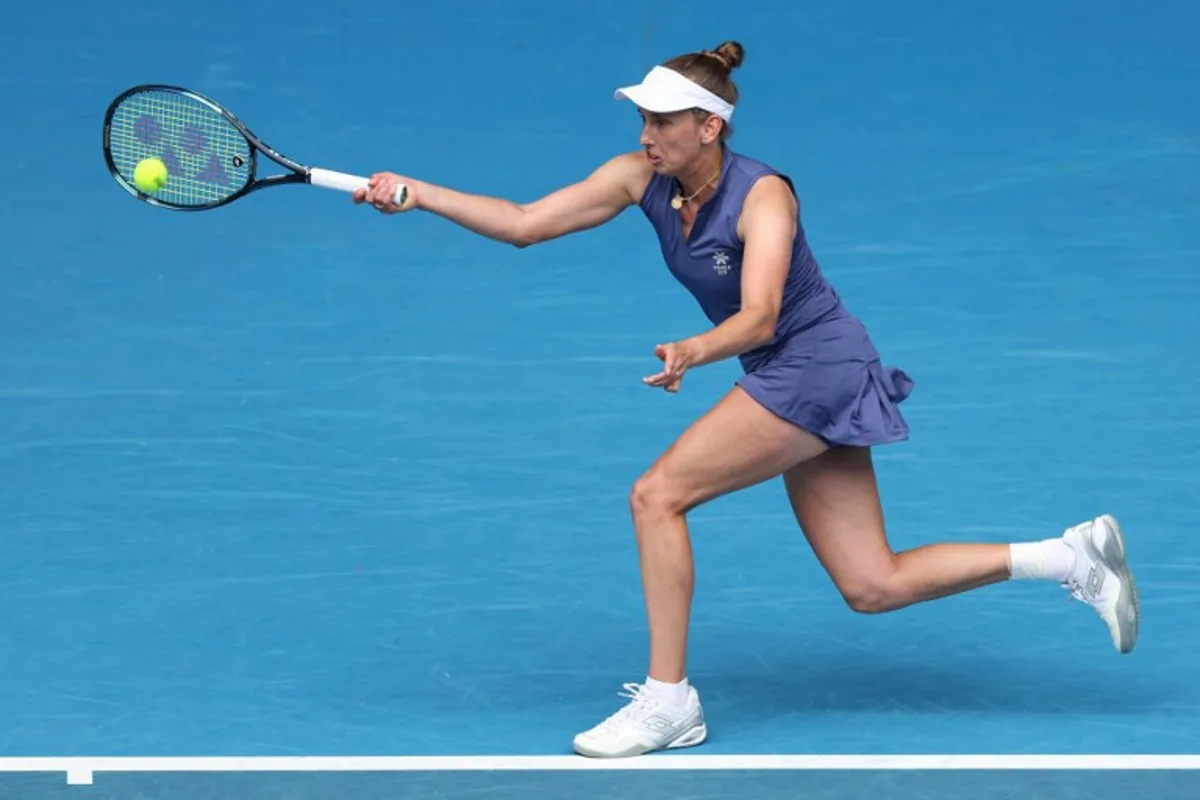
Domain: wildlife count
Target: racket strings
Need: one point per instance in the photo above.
(208, 159)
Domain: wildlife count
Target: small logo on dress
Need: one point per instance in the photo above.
(721, 262)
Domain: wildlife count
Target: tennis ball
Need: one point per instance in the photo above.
(150, 175)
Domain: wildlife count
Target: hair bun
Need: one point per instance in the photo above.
(729, 53)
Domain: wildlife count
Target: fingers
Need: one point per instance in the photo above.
(672, 358)
(380, 192)
(664, 380)
(674, 362)
(380, 189)
(674, 365)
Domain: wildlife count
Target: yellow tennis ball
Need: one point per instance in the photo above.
(150, 175)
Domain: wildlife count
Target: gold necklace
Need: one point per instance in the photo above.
(678, 200)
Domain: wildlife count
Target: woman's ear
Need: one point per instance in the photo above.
(711, 129)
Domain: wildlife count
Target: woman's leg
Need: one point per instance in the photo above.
(735, 445)
(837, 505)
(836, 501)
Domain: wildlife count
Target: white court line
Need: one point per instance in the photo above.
(81, 770)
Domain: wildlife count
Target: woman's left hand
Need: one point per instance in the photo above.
(676, 358)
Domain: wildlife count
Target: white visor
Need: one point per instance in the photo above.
(665, 90)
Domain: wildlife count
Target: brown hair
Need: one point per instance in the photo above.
(711, 69)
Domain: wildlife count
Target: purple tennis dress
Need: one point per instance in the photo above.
(821, 372)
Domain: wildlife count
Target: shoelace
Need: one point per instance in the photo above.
(639, 699)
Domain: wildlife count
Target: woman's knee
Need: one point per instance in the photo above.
(655, 493)
(873, 593)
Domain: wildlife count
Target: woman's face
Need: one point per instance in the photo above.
(674, 141)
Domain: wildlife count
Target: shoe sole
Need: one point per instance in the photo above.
(1127, 611)
(690, 738)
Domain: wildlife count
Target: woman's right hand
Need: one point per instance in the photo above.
(381, 193)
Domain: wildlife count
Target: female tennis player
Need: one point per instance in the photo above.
(813, 400)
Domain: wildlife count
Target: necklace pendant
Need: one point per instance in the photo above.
(676, 202)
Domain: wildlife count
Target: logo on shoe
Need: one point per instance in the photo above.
(657, 723)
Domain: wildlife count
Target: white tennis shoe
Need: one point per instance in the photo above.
(643, 725)
(1102, 578)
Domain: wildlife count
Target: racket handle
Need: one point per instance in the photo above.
(328, 179)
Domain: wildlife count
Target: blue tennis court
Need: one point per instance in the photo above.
(290, 480)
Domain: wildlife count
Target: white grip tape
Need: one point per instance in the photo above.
(328, 179)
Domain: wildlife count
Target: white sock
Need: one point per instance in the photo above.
(673, 694)
(1050, 559)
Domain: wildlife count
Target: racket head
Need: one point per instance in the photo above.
(210, 155)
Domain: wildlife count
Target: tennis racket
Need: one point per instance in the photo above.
(210, 155)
